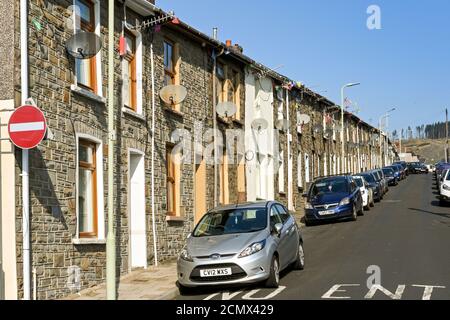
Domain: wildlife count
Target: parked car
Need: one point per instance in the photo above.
(431, 167)
(439, 168)
(397, 172)
(379, 176)
(442, 179)
(374, 185)
(417, 167)
(444, 189)
(333, 198)
(239, 244)
(366, 192)
(401, 170)
(404, 166)
(391, 178)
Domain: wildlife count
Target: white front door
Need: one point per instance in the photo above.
(138, 239)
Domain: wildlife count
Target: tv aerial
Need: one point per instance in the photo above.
(226, 109)
(83, 45)
(282, 124)
(260, 124)
(173, 94)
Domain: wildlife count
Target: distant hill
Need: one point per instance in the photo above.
(428, 150)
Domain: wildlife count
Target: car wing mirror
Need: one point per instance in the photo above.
(277, 228)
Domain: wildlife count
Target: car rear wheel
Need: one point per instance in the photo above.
(274, 277)
(299, 263)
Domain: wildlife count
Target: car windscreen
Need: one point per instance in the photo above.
(388, 172)
(338, 185)
(359, 182)
(369, 178)
(232, 221)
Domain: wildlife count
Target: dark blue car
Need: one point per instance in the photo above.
(374, 184)
(333, 198)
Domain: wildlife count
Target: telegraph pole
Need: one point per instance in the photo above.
(446, 135)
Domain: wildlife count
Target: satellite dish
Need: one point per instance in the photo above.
(282, 124)
(226, 109)
(374, 137)
(329, 132)
(173, 94)
(318, 128)
(338, 129)
(304, 119)
(260, 124)
(83, 45)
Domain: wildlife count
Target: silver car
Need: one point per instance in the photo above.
(240, 244)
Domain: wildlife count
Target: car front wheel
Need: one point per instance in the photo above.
(274, 277)
(299, 263)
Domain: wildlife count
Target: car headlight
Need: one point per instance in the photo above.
(184, 254)
(308, 206)
(252, 249)
(446, 187)
(344, 201)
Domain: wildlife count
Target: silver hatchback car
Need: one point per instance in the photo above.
(240, 244)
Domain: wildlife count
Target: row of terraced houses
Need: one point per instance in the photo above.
(264, 148)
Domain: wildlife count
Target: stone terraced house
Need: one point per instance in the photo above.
(68, 170)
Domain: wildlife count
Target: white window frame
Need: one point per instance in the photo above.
(299, 171)
(98, 56)
(281, 173)
(139, 71)
(100, 192)
(307, 169)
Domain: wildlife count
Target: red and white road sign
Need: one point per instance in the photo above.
(27, 127)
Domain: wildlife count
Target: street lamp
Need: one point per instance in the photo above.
(386, 115)
(348, 85)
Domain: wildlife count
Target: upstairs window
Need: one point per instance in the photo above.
(130, 73)
(169, 63)
(86, 68)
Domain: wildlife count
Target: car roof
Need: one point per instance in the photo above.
(245, 205)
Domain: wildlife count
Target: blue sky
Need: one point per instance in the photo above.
(326, 43)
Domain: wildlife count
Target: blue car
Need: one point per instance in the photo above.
(333, 198)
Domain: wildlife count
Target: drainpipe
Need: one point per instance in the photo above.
(110, 239)
(155, 252)
(288, 134)
(25, 168)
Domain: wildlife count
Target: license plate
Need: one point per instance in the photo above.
(326, 212)
(215, 272)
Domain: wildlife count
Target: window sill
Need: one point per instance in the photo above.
(174, 112)
(81, 241)
(133, 114)
(224, 120)
(282, 193)
(174, 218)
(238, 122)
(87, 94)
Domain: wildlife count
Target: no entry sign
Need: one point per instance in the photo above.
(27, 127)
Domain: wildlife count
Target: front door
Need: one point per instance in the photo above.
(138, 239)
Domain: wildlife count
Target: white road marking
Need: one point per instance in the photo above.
(396, 296)
(335, 288)
(225, 295)
(271, 295)
(26, 126)
(427, 291)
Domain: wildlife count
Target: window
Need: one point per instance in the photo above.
(236, 94)
(224, 193)
(129, 72)
(281, 173)
(86, 68)
(284, 215)
(307, 178)
(299, 171)
(87, 189)
(169, 63)
(220, 74)
(173, 182)
(274, 217)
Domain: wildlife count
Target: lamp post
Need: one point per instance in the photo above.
(348, 85)
(379, 128)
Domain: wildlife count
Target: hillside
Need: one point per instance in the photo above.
(428, 150)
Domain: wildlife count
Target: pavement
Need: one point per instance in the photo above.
(153, 283)
(397, 250)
